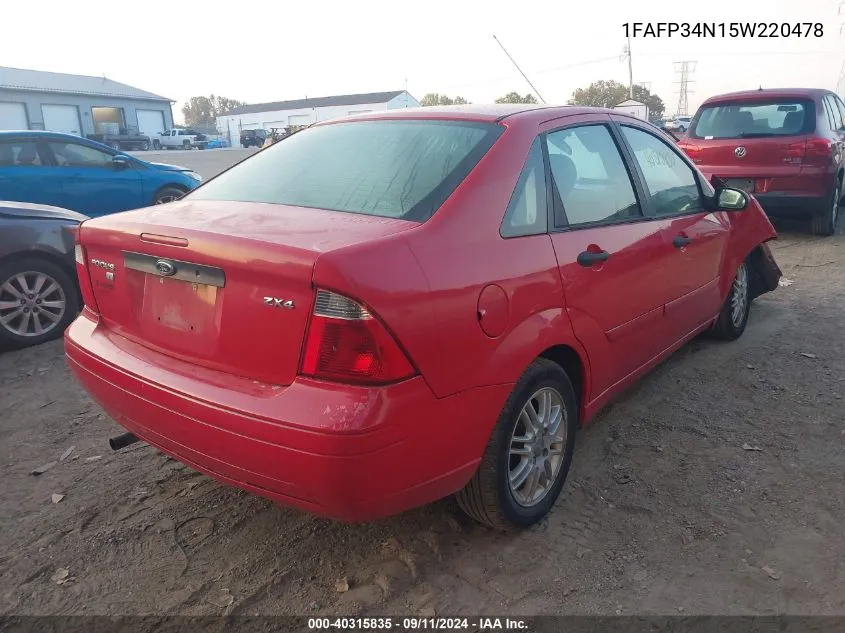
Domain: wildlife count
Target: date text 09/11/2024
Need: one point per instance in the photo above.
(724, 29)
(417, 624)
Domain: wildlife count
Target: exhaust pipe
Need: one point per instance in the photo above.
(121, 441)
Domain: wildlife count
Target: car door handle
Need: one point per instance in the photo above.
(680, 241)
(591, 258)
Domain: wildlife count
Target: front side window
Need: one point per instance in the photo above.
(527, 214)
(76, 155)
(671, 183)
(19, 154)
(590, 177)
(399, 169)
(755, 119)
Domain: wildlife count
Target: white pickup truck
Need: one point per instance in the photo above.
(183, 138)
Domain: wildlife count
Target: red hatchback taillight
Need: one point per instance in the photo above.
(84, 278)
(346, 343)
(818, 152)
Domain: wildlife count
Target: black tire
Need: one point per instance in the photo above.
(186, 144)
(156, 144)
(824, 223)
(727, 328)
(168, 194)
(488, 497)
(69, 293)
(145, 146)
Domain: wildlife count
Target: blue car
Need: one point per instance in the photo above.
(74, 173)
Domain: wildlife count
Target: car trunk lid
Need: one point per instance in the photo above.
(224, 285)
(748, 157)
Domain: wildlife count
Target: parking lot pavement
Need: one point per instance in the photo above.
(714, 486)
(206, 163)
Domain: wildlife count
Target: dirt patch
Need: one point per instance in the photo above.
(664, 512)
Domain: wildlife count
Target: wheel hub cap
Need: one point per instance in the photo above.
(31, 304)
(739, 296)
(536, 447)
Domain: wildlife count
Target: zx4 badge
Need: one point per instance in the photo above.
(274, 302)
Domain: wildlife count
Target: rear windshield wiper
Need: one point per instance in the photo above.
(755, 134)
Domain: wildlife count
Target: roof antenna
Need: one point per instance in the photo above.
(537, 92)
(760, 88)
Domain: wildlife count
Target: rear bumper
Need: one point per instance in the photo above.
(348, 453)
(786, 204)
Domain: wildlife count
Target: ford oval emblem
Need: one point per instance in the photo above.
(165, 268)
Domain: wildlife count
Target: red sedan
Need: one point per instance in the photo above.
(381, 311)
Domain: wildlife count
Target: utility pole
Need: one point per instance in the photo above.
(630, 71)
(685, 69)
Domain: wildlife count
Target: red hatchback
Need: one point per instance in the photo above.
(381, 311)
(787, 147)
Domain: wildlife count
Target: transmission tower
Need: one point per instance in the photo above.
(685, 70)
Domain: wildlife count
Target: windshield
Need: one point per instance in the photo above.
(399, 168)
(755, 119)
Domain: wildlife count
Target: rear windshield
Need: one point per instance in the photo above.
(399, 169)
(757, 119)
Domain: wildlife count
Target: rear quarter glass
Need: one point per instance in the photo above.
(402, 169)
(755, 118)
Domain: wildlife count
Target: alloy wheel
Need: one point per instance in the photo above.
(739, 296)
(32, 303)
(536, 447)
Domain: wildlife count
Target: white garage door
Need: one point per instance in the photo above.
(299, 119)
(61, 118)
(150, 122)
(12, 116)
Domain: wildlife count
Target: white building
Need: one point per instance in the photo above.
(282, 114)
(634, 108)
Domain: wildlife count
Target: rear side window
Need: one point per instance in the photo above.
(527, 212)
(833, 114)
(18, 154)
(755, 119)
(841, 107)
(398, 169)
(590, 177)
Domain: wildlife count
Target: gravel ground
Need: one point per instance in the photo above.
(714, 486)
(206, 163)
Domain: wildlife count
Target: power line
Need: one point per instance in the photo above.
(554, 69)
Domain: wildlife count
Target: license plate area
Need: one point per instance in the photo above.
(182, 306)
(744, 184)
(181, 316)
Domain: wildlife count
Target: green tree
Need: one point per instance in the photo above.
(606, 94)
(515, 97)
(203, 111)
(435, 98)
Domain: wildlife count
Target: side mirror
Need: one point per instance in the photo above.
(120, 161)
(731, 199)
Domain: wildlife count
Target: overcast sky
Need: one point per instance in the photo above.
(257, 50)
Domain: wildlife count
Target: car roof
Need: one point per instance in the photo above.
(510, 112)
(768, 93)
(39, 133)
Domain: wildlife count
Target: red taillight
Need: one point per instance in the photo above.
(84, 278)
(690, 150)
(818, 152)
(346, 343)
